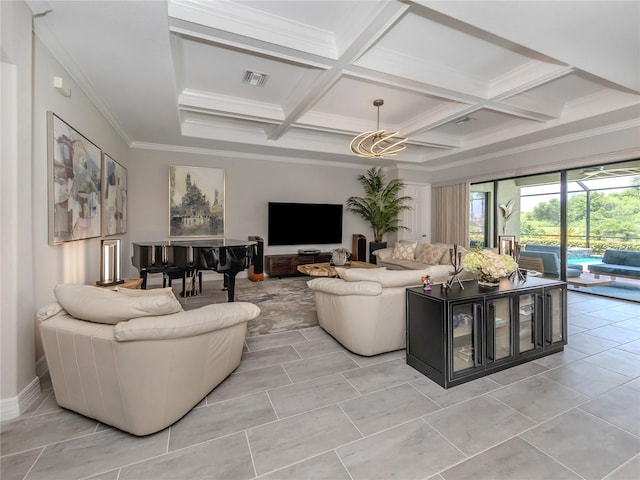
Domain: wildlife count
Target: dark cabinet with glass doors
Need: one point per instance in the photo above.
(456, 335)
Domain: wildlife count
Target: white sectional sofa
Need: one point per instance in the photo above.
(434, 259)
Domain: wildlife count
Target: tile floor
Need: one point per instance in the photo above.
(301, 407)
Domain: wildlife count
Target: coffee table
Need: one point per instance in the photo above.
(327, 269)
(587, 282)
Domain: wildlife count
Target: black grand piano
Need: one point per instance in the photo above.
(189, 257)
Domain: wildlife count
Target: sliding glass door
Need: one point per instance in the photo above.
(566, 232)
(603, 229)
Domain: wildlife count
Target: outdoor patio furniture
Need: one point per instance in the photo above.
(550, 256)
(618, 263)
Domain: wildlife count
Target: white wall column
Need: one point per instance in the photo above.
(18, 380)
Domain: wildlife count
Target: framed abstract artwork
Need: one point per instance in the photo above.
(114, 197)
(75, 176)
(196, 201)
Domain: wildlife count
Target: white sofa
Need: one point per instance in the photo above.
(134, 359)
(434, 259)
(364, 309)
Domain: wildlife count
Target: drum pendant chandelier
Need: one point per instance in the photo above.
(378, 143)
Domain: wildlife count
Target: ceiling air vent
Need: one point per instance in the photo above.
(256, 79)
(463, 120)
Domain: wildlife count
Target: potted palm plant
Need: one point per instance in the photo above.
(380, 206)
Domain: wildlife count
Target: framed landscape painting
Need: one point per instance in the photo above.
(114, 196)
(196, 201)
(75, 178)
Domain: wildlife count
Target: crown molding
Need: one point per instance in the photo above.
(211, 152)
(249, 22)
(635, 123)
(591, 161)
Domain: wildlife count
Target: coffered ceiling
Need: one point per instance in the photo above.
(457, 78)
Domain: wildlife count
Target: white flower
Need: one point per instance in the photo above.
(489, 264)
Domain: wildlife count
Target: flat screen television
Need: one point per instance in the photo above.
(304, 223)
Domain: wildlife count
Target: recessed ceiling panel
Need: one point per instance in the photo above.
(211, 68)
(566, 89)
(433, 39)
(354, 98)
(480, 122)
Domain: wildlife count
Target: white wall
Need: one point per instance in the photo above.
(249, 185)
(71, 262)
(30, 266)
(18, 380)
(76, 261)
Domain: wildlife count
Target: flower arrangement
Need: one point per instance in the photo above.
(489, 266)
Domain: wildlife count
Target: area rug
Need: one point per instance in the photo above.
(285, 304)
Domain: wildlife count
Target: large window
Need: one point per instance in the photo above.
(539, 220)
(600, 212)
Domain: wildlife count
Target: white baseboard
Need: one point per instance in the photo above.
(12, 407)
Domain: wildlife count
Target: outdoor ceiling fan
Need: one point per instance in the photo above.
(601, 172)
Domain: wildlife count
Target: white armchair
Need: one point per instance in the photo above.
(138, 363)
(364, 309)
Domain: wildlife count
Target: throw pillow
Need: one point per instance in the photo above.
(404, 250)
(100, 305)
(431, 254)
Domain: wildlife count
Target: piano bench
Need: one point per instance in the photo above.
(183, 273)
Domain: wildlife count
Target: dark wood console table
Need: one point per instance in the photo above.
(286, 265)
(456, 335)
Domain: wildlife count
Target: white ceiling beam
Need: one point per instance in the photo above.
(377, 26)
(245, 21)
(232, 107)
(185, 29)
(530, 76)
(589, 49)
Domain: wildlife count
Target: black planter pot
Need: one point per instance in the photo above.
(373, 246)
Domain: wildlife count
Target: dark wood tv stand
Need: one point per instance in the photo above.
(285, 265)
